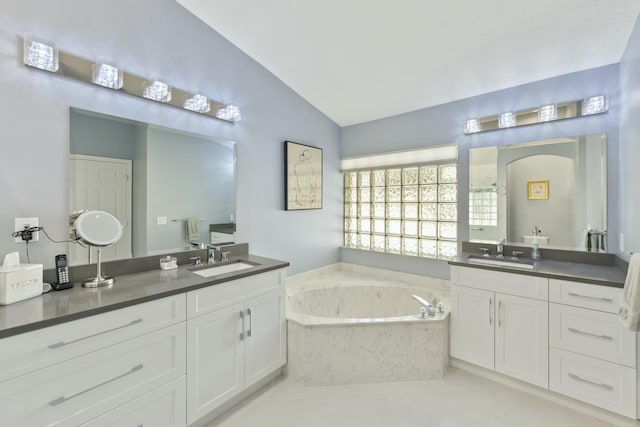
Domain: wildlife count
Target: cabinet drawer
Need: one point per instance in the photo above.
(27, 352)
(596, 297)
(592, 333)
(604, 384)
(77, 390)
(162, 407)
(497, 281)
(214, 297)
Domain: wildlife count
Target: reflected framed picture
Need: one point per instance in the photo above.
(303, 176)
(538, 189)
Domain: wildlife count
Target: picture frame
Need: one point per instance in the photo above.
(538, 190)
(303, 176)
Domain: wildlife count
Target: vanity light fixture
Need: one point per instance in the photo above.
(157, 90)
(547, 113)
(107, 75)
(594, 105)
(41, 54)
(44, 55)
(229, 112)
(507, 120)
(472, 126)
(198, 103)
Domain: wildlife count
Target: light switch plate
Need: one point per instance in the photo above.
(162, 220)
(20, 223)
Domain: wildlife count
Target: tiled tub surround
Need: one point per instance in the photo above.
(349, 324)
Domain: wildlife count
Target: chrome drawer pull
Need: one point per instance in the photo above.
(250, 322)
(63, 399)
(578, 331)
(63, 343)
(242, 331)
(573, 294)
(602, 385)
(490, 302)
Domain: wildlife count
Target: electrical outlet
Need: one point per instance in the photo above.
(21, 223)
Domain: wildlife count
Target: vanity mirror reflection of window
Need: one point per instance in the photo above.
(139, 172)
(576, 171)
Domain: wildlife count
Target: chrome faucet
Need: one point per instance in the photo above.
(427, 308)
(211, 256)
(500, 248)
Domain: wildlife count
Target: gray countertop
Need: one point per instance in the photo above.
(563, 270)
(58, 307)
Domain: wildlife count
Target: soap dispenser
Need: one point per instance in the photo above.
(535, 252)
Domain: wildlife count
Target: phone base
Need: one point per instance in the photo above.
(61, 286)
(97, 282)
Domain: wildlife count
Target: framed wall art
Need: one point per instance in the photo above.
(303, 176)
(538, 189)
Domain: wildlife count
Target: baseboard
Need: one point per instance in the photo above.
(548, 395)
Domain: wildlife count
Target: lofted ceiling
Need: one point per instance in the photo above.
(361, 60)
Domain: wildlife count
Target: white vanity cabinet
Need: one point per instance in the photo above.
(592, 356)
(236, 336)
(500, 321)
(71, 373)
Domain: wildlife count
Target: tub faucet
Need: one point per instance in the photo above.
(426, 306)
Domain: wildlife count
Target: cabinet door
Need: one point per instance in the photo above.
(472, 318)
(522, 338)
(265, 346)
(215, 359)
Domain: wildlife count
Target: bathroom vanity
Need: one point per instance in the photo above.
(554, 326)
(158, 348)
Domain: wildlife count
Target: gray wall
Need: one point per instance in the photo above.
(555, 216)
(157, 37)
(629, 144)
(187, 177)
(95, 136)
(443, 124)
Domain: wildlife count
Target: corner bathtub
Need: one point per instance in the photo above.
(347, 327)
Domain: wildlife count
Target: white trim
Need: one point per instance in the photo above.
(441, 153)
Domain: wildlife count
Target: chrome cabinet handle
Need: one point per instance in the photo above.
(250, 322)
(499, 313)
(578, 331)
(63, 399)
(63, 343)
(242, 331)
(584, 380)
(573, 294)
(490, 305)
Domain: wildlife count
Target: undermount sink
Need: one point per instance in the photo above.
(217, 269)
(503, 262)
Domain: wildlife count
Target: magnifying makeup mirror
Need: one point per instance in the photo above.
(96, 229)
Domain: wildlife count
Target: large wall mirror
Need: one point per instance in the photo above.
(558, 186)
(170, 189)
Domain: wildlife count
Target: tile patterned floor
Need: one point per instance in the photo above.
(461, 399)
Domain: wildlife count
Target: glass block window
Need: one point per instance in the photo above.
(483, 208)
(410, 211)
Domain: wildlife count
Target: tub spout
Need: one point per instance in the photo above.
(430, 310)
